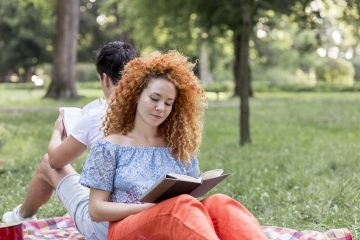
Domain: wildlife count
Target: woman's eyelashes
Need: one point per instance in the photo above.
(167, 103)
(155, 99)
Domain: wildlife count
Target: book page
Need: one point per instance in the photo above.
(183, 177)
(207, 185)
(71, 116)
(211, 174)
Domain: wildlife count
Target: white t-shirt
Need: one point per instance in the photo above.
(88, 129)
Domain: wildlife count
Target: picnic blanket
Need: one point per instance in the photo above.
(64, 228)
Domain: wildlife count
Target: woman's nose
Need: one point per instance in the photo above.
(160, 106)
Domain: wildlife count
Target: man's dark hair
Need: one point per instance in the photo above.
(112, 58)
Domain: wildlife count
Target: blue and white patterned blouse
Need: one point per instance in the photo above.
(129, 171)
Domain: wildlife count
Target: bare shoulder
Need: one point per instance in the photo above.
(117, 139)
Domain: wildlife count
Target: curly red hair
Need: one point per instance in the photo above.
(182, 129)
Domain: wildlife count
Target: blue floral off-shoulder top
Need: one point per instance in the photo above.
(129, 171)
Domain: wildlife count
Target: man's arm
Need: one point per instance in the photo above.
(61, 152)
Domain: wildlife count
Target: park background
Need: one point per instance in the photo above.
(282, 77)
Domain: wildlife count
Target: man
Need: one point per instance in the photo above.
(55, 172)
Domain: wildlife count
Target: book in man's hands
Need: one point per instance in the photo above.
(70, 118)
(173, 184)
(73, 114)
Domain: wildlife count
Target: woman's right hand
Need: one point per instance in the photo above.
(148, 205)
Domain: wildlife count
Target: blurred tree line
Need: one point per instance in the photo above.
(285, 37)
(272, 42)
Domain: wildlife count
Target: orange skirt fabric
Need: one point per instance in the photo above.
(184, 217)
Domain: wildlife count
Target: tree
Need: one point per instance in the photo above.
(172, 18)
(351, 16)
(240, 17)
(243, 51)
(99, 23)
(25, 29)
(63, 75)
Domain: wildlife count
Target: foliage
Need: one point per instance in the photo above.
(169, 25)
(335, 71)
(221, 56)
(86, 72)
(351, 17)
(95, 29)
(284, 53)
(266, 86)
(300, 172)
(218, 86)
(356, 63)
(273, 75)
(26, 30)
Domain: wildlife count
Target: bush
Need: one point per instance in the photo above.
(224, 86)
(219, 87)
(335, 72)
(356, 64)
(280, 76)
(85, 72)
(264, 86)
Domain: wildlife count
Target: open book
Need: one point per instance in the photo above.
(73, 114)
(173, 184)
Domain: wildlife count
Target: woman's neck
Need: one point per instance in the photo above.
(145, 135)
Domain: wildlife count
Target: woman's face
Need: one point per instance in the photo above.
(156, 101)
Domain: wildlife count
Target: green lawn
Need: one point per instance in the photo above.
(301, 171)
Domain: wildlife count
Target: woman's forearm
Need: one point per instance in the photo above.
(111, 211)
(100, 209)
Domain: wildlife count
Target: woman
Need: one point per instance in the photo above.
(153, 126)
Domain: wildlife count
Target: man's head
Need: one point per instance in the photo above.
(110, 61)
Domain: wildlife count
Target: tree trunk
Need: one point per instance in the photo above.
(245, 30)
(63, 74)
(236, 67)
(251, 92)
(205, 72)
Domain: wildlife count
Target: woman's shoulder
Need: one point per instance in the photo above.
(116, 139)
(112, 143)
(122, 143)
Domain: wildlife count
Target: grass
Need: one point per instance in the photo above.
(301, 171)
(24, 96)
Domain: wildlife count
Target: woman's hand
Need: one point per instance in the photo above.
(148, 205)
